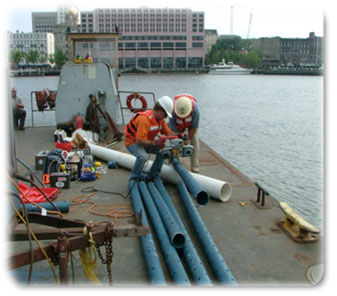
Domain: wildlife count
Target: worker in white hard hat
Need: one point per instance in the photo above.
(140, 137)
(185, 119)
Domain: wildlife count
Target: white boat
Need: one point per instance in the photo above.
(229, 69)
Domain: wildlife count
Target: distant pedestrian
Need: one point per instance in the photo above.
(185, 118)
(19, 114)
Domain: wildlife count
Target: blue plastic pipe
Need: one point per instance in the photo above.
(200, 195)
(218, 264)
(192, 259)
(174, 231)
(153, 266)
(172, 259)
(63, 206)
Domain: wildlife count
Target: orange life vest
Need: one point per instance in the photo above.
(130, 129)
(183, 123)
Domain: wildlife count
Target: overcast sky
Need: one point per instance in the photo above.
(284, 18)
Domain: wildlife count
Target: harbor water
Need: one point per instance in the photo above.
(270, 127)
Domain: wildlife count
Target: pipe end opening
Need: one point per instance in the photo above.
(225, 192)
(202, 198)
(178, 241)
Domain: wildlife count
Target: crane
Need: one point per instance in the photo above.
(232, 16)
(249, 24)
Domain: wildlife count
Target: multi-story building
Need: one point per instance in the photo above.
(291, 51)
(65, 20)
(270, 49)
(43, 22)
(43, 43)
(211, 38)
(68, 21)
(297, 51)
(152, 38)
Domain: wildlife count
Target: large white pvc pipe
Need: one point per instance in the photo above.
(217, 189)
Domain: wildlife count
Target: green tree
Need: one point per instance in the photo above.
(236, 50)
(60, 58)
(15, 56)
(252, 59)
(51, 58)
(32, 56)
(43, 59)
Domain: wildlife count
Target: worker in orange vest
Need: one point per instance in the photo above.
(141, 135)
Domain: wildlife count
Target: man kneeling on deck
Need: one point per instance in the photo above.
(140, 134)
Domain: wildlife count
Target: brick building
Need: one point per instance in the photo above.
(291, 51)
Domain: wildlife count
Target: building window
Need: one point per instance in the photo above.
(194, 62)
(197, 44)
(155, 45)
(168, 63)
(155, 62)
(180, 45)
(120, 63)
(180, 62)
(168, 45)
(143, 63)
(130, 45)
(130, 62)
(143, 45)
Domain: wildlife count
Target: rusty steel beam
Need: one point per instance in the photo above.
(62, 249)
(45, 234)
(76, 243)
(56, 222)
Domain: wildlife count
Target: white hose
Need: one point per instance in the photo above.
(217, 189)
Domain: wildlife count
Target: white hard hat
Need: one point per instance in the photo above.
(183, 107)
(167, 104)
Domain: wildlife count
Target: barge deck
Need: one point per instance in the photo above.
(255, 249)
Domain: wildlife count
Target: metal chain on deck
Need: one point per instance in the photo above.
(108, 252)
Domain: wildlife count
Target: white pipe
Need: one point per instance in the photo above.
(217, 189)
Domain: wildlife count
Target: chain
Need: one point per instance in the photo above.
(108, 251)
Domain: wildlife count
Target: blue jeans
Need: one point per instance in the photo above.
(141, 154)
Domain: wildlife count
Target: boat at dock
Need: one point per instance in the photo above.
(228, 69)
(258, 241)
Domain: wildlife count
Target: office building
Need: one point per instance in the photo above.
(64, 20)
(43, 22)
(152, 38)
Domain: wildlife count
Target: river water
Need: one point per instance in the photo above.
(270, 127)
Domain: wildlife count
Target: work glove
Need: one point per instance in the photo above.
(160, 143)
(182, 136)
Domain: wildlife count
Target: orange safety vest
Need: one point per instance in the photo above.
(182, 123)
(130, 129)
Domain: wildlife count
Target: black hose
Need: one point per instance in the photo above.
(31, 170)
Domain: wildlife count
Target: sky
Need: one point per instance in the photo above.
(284, 18)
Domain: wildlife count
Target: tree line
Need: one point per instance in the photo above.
(237, 50)
(33, 56)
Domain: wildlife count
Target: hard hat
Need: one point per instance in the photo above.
(183, 107)
(167, 104)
